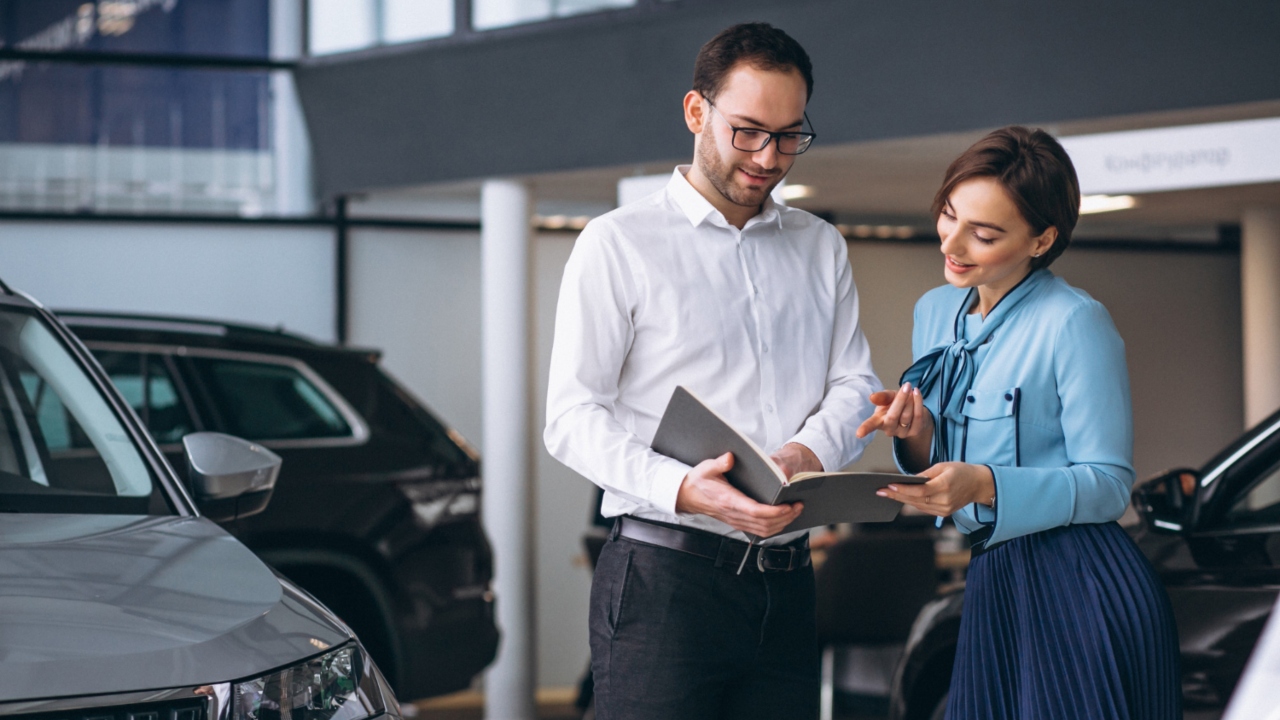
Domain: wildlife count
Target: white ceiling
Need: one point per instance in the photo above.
(893, 181)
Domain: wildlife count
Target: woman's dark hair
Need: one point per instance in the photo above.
(1035, 171)
(760, 44)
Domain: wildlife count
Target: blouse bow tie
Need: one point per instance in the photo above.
(951, 367)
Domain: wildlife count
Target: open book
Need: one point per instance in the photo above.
(692, 432)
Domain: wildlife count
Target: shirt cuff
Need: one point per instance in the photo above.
(823, 448)
(898, 448)
(666, 485)
(982, 513)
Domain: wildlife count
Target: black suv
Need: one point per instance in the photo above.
(1213, 536)
(376, 511)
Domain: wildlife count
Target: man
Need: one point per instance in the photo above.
(751, 305)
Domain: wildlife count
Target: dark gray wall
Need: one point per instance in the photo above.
(605, 90)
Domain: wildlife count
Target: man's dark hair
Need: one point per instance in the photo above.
(762, 45)
(1035, 171)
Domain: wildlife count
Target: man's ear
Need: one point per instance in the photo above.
(694, 111)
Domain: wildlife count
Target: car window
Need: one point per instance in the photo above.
(147, 385)
(1261, 504)
(62, 447)
(268, 401)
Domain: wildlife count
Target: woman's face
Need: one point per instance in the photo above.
(985, 240)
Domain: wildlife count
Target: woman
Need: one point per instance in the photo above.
(1017, 410)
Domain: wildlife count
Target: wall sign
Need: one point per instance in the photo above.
(1177, 158)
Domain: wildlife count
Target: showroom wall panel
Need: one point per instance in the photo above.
(264, 275)
(416, 295)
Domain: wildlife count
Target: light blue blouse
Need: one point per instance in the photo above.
(1048, 410)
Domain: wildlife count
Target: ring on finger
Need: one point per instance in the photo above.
(904, 425)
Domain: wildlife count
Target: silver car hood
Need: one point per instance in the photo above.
(96, 604)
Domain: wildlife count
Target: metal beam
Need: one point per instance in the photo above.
(168, 60)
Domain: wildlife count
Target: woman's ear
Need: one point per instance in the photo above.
(1044, 242)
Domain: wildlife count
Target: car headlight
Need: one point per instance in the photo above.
(340, 685)
(443, 501)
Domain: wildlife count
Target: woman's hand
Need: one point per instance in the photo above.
(951, 486)
(898, 414)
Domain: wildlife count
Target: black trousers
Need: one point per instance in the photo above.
(674, 636)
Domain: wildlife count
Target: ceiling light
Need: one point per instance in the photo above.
(796, 192)
(1090, 204)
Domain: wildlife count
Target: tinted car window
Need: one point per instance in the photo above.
(266, 401)
(62, 447)
(1261, 504)
(146, 384)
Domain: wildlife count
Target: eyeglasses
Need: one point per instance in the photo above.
(754, 140)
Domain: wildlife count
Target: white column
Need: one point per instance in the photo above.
(505, 217)
(1260, 308)
(292, 149)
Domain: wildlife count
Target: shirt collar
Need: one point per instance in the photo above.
(697, 208)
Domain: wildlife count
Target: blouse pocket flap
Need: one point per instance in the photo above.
(990, 404)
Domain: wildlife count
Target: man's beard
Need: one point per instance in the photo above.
(721, 175)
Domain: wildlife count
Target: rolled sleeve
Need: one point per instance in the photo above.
(831, 432)
(592, 335)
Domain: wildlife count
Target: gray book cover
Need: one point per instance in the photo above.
(692, 432)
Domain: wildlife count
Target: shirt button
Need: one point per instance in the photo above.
(970, 398)
(766, 348)
(1008, 396)
(768, 408)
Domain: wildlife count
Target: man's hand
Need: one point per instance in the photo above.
(795, 458)
(706, 492)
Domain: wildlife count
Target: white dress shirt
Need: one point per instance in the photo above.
(760, 323)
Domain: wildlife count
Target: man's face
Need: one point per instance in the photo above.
(750, 98)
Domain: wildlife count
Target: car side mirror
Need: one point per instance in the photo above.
(1165, 501)
(230, 478)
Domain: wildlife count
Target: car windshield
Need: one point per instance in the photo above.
(62, 448)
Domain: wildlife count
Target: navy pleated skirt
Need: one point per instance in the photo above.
(1067, 623)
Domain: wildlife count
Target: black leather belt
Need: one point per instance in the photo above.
(978, 541)
(724, 551)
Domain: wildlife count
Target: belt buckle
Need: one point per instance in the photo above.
(762, 566)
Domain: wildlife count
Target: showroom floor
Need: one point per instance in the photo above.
(553, 704)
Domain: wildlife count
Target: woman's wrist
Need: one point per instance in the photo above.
(986, 486)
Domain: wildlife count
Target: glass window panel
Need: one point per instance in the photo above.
(62, 448)
(136, 139)
(202, 27)
(488, 14)
(407, 20)
(573, 7)
(341, 25)
(1261, 505)
(148, 387)
(263, 401)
